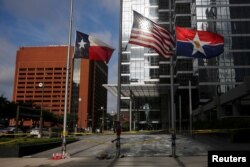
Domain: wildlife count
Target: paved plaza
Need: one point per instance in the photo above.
(136, 150)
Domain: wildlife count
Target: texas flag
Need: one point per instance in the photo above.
(91, 48)
(198, 44)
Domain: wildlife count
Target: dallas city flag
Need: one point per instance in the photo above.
(198, 44)
(149, 34)
(91, 48)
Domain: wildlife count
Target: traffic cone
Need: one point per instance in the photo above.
(56, 156)
(53, 156)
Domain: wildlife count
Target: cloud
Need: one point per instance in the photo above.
(44, 21)
(6, 73)
(111, 5)
(7, 51)
(7, 64)
(97, 15)
(113, 74)
(6, 80)
(103, 36)
(112, 103)
(37, 10)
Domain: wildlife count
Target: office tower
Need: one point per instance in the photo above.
(47, 65)
(227, 71)
(184, 16)
(89, 97)
(145, 75)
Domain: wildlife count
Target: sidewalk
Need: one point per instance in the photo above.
(192, 161)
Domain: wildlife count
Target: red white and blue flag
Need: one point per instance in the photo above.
(148, 34)
(91, 48)
(198, 44)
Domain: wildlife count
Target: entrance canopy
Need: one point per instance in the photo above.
(139, 90)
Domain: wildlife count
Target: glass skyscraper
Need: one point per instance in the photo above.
(220, 75)
(145, 75)
(231, 19)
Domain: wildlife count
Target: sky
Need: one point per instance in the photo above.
(46, 22)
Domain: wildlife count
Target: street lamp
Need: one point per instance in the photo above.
(41, 85)
(102, 126)
(112, 114)
(79, 100)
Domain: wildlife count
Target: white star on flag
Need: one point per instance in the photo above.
(82, 43)
(198, 45)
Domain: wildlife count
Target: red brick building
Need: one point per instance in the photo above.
(47, 65)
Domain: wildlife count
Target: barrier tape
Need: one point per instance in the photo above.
(14, 134)
(24, 134)
(13, 140)
(17, 136)
(217, 130)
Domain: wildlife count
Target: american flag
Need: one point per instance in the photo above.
(149, 34)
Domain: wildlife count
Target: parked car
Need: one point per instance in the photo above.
(10, 130)
(98, 130)
(3, 130)
(34, 132)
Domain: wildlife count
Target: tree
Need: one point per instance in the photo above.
(71, 121)
(27, 110)
(7, 110)
(3, 107)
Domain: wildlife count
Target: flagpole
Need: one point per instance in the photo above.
(190, 106)
(180, 113)
(119, 65)
(67, 83)
(172, 86)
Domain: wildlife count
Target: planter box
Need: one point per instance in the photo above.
(21, 150)
(9, 151)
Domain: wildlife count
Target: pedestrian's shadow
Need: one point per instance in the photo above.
(179, 162)
(113, 162)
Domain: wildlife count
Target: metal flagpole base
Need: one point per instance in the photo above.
(64, 154)
(173, 145)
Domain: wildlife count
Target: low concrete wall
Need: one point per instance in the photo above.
(9, 151)
(21, 150)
